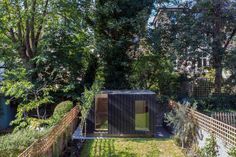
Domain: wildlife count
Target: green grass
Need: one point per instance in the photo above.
(127, 147)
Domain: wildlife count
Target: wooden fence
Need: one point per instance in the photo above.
(55, 142)
(220, 129)
(226, 117)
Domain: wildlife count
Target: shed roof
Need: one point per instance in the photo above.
(127, 92)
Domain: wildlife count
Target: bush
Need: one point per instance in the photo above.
(14, 143)
(60, 110)
(184, 125)
(210, 149)
(35, 123)
(232, 152)
(215, 103)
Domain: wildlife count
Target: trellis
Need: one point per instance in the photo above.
(56, 141)
(226, 117)
(220, 129)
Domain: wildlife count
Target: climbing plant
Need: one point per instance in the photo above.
(87, 101)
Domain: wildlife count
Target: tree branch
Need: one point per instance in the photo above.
(229, 39)
(32, 27)
(27, 33)
(41, 23)
(13, 37)
(19, 34)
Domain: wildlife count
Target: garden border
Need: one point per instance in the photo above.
(220, 129)
(57, 139)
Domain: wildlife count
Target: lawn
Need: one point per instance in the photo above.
(127, 147)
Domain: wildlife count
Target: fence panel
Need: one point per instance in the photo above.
(56, 140)
(220, 129)
(226, 117)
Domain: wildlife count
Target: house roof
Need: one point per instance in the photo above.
(127, 92)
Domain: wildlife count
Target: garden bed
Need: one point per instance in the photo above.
(122, 147)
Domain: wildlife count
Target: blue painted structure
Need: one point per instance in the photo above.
(7, 114)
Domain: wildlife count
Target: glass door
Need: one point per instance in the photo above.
(101, 112)
(141, 116)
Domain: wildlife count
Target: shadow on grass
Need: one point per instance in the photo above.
(103, 148)
(144, 140)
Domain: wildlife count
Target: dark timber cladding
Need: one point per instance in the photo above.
(121, 111)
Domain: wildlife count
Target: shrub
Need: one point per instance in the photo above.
(184, 125)
(14, 143)
(210, 149)
(232, 152)
(60, 110)
(35, 123)
(215, 102)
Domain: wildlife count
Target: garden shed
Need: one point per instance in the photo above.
(124, 112)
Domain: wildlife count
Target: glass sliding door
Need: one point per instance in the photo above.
(141, 116)
(101, 112)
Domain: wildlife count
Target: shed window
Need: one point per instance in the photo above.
(141, 115)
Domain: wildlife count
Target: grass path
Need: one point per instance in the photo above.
(126, 147)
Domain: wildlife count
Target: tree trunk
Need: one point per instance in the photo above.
(218, 79)
(218, 50)
(38, 114)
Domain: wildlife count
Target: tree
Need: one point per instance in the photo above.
(49, 60)
(117, 26)
(31, 96)
(153, 69)
(204, 27)
(22, 23)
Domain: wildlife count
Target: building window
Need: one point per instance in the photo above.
(141, 116)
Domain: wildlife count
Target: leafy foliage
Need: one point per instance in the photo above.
(118, 25)
(198, 29)
(52, 63)
(215, 103)
(232, 152)
(184, 125)
(60, 110)
(210, 149)
(87, 101)
(16, 86)
(155, 71)
(12, 144)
